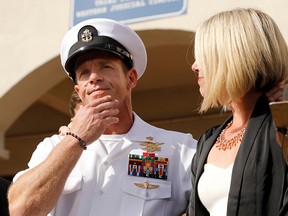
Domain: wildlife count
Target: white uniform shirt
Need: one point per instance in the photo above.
(100, 185)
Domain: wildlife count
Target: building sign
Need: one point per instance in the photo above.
(126, 11)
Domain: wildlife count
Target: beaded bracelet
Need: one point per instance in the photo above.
(82, 142)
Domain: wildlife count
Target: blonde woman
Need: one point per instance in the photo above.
(239, 168)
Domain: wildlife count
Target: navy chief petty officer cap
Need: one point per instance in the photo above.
(106, 35)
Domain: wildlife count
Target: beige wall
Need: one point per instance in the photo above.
(31, 33)
(30, 37)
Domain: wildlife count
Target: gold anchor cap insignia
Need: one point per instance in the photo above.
(151, 146)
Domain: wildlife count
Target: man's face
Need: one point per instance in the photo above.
(101, 73)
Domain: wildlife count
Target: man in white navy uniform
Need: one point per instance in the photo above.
(111, 162)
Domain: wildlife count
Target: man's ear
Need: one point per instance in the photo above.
(132, 78)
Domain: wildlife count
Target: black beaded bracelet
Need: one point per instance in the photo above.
(82, 142)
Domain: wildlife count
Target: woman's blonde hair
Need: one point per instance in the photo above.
(237, 51)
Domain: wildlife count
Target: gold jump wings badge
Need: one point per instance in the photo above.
(151, 146)
(146, 185)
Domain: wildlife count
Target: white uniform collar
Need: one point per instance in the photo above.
(140, 130)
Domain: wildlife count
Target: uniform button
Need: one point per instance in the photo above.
(106, 163)
(101, 192)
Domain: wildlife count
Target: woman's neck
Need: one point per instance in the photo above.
(243, 108)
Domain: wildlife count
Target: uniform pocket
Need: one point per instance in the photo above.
(147, 188)
(72, 184)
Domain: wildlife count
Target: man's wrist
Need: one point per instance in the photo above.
(81, 141)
